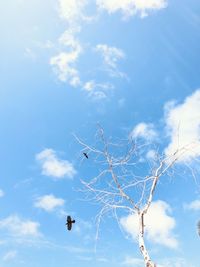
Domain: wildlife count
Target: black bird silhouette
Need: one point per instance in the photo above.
(69, 222)
(85, 154)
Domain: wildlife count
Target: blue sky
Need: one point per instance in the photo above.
(66, 65)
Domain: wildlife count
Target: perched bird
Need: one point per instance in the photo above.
(85, 154)
(69, 222)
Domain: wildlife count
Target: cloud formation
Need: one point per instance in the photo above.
(111, 55)
(159, 225)
(74, 13)
(144, 130)
(131, 7)
(19, 227)
(183, 126)
(49, 202)
(63, 67)
(64, 63)
(194, 205)
(72, 10)
(97, 91)
(53, 166)
(10, 255)
(151, 155)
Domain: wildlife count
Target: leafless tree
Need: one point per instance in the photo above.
(119, 183)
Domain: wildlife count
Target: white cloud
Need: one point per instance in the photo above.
(49, 202)
(72, 10)
(194, 205)
(159, 225)
(144, 130)
(97, 95)
(97, 91)
(92, 85)
(19, 227)
(69, 40)
(10, 255)
(89, 86)
(1, 193)
(131, 7)
(64, 63)
(64, 69)
(151, 154)
(111, 55)
(53, 166)
(183, 126)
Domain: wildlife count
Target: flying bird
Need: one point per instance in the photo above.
(69, 222)
(85, 154)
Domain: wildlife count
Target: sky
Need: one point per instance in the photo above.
(66, 66)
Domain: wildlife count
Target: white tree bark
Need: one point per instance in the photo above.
(143, 250)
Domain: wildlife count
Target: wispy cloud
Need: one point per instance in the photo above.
(83, 227)
(131, 7)
(144, 130)
(151, 154)
(194, 205)
(10, 255)
(63, 67)
(49, 202)
(64, 63)
(72, 10)
(111, 55)
(19, 227)
(159, 225)
(1, 193)
(183, 126)
(53, 166)
(97, 91)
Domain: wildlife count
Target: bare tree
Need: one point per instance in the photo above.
(119, 183)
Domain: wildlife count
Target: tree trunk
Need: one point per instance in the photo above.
(145, 254)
